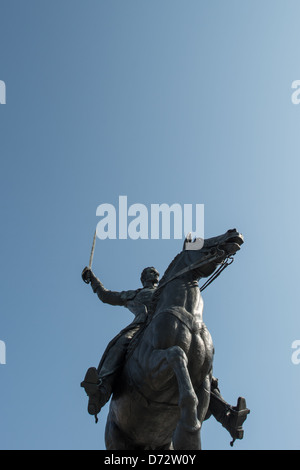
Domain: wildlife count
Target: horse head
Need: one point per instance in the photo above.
(230, 242)
(207, 254)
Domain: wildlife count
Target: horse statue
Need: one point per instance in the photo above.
(163, 393)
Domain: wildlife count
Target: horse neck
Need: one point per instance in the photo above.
(172, 285)
(181, 261)
(178, 263)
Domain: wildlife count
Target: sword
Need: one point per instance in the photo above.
(87, 281)
(93, 250)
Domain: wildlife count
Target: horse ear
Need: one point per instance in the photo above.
(188, 239)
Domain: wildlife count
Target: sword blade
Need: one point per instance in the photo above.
(93, 250)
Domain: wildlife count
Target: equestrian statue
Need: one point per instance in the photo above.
(158, 371)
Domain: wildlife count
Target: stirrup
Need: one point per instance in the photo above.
(240, 414)
(91, 381)
(91, 387)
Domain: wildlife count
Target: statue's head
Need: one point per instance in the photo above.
(149, 276)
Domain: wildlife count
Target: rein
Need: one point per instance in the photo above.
(227, 262)
(198, 265)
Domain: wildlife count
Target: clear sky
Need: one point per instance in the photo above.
(183, 102)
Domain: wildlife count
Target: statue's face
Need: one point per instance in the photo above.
(151, 275)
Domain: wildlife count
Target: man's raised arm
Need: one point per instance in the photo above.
(105, 295)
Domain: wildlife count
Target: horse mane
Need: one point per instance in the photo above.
(157, 293)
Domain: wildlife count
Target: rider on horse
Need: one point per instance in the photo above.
(99, 383)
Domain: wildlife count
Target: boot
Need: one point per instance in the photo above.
(238, 414)
(231, 417)
(97, 391)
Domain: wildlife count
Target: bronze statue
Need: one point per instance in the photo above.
(160, 366)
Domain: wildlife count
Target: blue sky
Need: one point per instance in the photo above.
(165, 102)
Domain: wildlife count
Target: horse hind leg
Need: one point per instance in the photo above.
(187, 432)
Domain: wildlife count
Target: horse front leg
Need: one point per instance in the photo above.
(172, 362)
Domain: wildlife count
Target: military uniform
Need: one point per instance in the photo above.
(138, 302)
